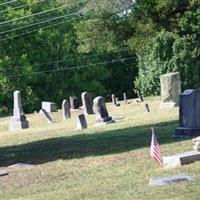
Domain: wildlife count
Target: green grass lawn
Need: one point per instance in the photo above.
(101, 162)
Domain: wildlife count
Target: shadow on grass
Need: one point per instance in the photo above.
(79, 146)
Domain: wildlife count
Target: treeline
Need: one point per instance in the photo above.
(50, 50)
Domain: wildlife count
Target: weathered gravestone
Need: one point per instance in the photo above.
(81, 122)
(49, 106)
(170, 89)
(125, 97)
(18, 121)
(101, 110)
(87, 103)
(114, 100)
(189, 114)
(168, 180)
(74, 102)
(47, 116)
(66, 109)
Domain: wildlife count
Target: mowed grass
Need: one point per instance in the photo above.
(101, 162)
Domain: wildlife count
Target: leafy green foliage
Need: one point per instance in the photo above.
(99, 35)
(167, 53)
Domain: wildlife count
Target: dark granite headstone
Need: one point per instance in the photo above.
(81, 123)
(87, 103)
(18, 121)
(189, 114)
(101, 110)
(66, 109)
(74, 102)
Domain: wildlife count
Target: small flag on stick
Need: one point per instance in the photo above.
(155, 149)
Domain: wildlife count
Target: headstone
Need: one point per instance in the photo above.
(49, 106)
(170, 89)
(114, 100)
(18, 121)
(189, 114)
(125, 98)
(47, 116)
(181, 159)
(81, 122)
(21, 166)
(101, 110)
(139, 94)
(3, 173)
(117, 104)
(74, 102)
(167, 180)
(87, 103)
(146, 107)
(66, 109)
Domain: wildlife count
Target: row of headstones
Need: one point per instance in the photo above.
(18, 121)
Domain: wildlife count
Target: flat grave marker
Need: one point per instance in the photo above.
(21, 166)
(3, 173)
(168, 180)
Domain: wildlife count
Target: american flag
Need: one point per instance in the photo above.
(155, 149)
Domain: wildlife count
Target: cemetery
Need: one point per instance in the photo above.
(63, 150)
(99, 100)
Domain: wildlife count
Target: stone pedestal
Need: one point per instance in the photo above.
(181, 159)
(170, 89)
(49, 106)
(18, 123)
(189, 114)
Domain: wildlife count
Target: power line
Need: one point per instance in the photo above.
(31, 15)
(22, 6)
(75, 58)
(37, 23)
(8, 2)
(42, 28)
(67, 68)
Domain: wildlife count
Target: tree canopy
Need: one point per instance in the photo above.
(50, 50)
